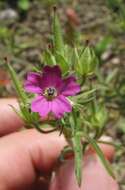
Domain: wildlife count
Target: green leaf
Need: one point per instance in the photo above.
(85, 94)
(103, 44)
(111, 76)
(24, 4)
(17, 84)
(16, 111)
(99, 116)
(57, 32)
(68, 54)
(48, 57)
(101, 155)
(61, 61)
(75, 58)
(114, 4)
(25, 113)
(77, 147)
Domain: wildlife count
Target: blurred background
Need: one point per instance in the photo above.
(25, 31)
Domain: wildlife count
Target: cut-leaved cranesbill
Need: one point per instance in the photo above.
(52, 91)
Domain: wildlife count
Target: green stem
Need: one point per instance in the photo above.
(111, 143)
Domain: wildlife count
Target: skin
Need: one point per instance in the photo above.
(27, 154)
(94, 176)
(24, 154)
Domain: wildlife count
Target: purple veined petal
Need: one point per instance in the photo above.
(33, 77)
(30, 87)
(32, 83)
(60, 105)
(41, 105)
(55, 69)
(51, 77)
(70, 87)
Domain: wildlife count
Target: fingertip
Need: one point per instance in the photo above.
(9, 120)
(42, 149)
(45, 149)
(30, 154)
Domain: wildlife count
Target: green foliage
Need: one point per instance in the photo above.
(98, 116)
(48, 58)
(23, 5)
(100, 154)
(88, 115)
(57, 35)
(62, 61)
(87, 62)
(84, 126)
(5, 33)
(49, 2)
(114, 4)
(77, 147)
(17, 84)
(118, 7)
(28, 117)
(103, 45)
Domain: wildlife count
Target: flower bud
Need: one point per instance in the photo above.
(87, 62)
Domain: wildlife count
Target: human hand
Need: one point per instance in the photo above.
(26, 155)
(95, 176)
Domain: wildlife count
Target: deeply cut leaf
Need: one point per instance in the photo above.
(57, 32)
(77, 147)
(18, 86)
(60, 59)
(101, 155)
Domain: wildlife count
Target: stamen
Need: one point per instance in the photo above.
(50, 93)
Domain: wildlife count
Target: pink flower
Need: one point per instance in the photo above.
(52, 91)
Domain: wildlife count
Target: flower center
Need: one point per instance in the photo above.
(50, 93)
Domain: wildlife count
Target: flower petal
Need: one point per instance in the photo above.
(41, 105)
(29, 87)
(33, 77)
(32, 83)
(51, 77)
(55, 69)
(60, 105)
(70, 87)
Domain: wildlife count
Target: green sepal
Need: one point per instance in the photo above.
(17, 84)
(61, 61)
(49, 58)
(24, 112)
(87, 62)
(57, 34)
(28, 116)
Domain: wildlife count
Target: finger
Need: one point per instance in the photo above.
(108, 151)
(25, 154)
(9, 121)
(94, 176)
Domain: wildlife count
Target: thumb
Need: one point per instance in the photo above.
(24, 155)
(94, 175)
